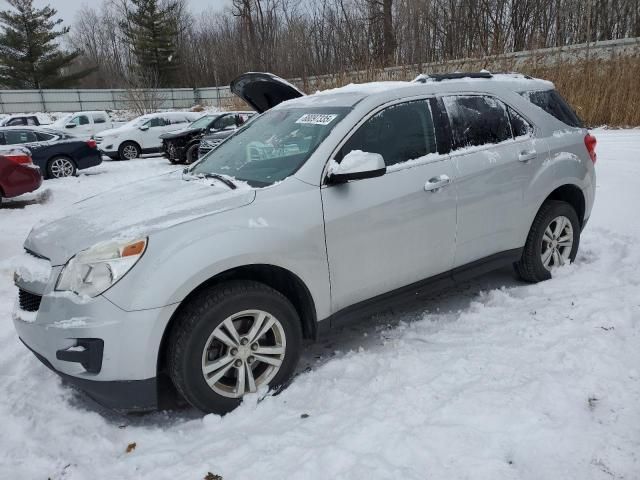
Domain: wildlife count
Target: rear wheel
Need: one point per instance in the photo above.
(59, 167)
(552, 241)
(129, 151)
(231, 340)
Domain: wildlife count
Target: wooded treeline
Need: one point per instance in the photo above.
(298, 38)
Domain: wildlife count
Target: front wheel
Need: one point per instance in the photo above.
(231, 340)
(552, 241)
(192, 154)
(59, 167)
(129, 151)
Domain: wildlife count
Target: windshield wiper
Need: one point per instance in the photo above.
(217, 176)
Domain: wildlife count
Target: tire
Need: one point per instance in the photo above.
(129, 151)
(60, 166)
(191, 154)
(540, 247)
(195, 346)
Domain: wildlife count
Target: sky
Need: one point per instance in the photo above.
(67, 9)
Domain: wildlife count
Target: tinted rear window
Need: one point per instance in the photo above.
(553, 103)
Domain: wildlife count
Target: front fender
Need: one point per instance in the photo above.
(283, 227)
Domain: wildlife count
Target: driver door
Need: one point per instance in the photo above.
(388, 232)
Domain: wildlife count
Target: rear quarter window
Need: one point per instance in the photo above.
(553, 103)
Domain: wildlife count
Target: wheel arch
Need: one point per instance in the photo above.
(130, 141)
(278, 278)
(58, 155)
(571, 194)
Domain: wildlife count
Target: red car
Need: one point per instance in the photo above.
(18, 174)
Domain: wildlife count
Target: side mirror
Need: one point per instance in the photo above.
(356, 165)
(144, 127)
(70, 125)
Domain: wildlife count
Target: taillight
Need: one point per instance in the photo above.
(92, 143)
(19, 158)
(590, 142)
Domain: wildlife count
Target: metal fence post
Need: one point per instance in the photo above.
(79, 99)
(42, 100)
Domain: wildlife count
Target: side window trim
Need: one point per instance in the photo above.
(371, 114)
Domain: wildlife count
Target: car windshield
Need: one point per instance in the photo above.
(136, 122)
(272, 147)
(203, 122)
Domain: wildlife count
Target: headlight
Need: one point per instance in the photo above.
(94, 270)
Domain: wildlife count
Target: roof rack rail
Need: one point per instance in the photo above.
(438, 77)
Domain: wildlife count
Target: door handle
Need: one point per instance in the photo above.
(436, 183)
(527, 155)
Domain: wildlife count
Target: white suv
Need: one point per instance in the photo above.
(142, 134)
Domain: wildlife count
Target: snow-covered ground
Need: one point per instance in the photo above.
(492, 380)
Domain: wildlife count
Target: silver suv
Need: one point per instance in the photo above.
(323, 209)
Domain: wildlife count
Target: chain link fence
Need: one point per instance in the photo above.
(75, 100)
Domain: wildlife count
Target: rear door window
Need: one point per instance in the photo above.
(45, 137)
(553, 103)
(477, 120)
(99, 118)
(399, 133)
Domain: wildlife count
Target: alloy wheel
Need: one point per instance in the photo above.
(557, 243)
(130, 152)
(243, 353)
(61, 167)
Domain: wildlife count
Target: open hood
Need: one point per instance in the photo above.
(263, 90)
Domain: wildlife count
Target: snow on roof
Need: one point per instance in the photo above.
(354, 92)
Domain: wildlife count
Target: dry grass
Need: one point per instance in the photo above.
(603, 92)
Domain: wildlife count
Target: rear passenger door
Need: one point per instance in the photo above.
(391, 231)
(492, 149)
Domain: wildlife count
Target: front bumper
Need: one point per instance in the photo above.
(127, 396)
(110, 353)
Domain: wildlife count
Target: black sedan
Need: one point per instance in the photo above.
(58, 154)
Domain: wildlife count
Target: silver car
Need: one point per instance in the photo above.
(206, 281)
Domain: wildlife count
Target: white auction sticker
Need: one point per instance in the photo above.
(317, 118)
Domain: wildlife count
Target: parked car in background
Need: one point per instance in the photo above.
(182, 146)
(324, 210)
(84, 124)
(211, 140)
(18, 174)
(24, 120)
(141, 135)
(58, 154)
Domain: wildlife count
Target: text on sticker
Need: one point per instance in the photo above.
(317, 118)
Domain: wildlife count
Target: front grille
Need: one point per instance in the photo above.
(98, 139)
(29, 302)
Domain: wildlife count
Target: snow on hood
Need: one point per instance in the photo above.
(134, 210)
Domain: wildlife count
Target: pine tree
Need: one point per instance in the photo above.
(30, 56)
(152, 33)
